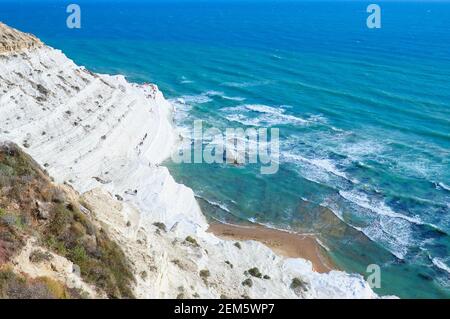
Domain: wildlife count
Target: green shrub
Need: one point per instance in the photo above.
(255, 272)
(104, 265)
(205, 273)
(57, 246)
(38, 256)
(16, 286)
(298, 283)
(79, 256)
(55, 288)
(247, 282)
(192, 241)
(160, 226)
(68, 231)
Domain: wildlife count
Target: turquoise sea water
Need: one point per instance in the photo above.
(364, 115)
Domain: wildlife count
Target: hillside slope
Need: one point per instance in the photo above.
(48, 238)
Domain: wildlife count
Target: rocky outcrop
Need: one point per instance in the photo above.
(14, 41)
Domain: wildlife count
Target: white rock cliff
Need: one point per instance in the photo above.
(106, 138)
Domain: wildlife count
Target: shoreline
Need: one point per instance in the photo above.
(282, 243)
(119, 134)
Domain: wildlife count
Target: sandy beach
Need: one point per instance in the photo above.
(281, 242)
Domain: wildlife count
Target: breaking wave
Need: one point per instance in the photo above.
(261, 115)
(440, 264)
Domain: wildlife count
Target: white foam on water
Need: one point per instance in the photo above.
(183, 105)
(361, 149)
(185, 80)
(443, 281)
(223, 96)
(246, 84)
(181, 112)
(309, 172)
(383, 225)
(327, 165)
(274, 227)
(321, 244)
(440, 264)
(377, 207)
(263, 108)
(232, 98)
(323, 164)
(267, 115)
(196, 99)
(376, 233)
(393, 234)
(444, 186)
(213, 203)
(213, 93)
(242, 119)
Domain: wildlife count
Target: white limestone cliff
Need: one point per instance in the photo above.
(106, 138)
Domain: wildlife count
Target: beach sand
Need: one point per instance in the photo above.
(281, 242)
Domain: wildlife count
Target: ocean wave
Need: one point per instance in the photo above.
(321, 163)
(213, 203)
(213, 93)
(277, 228)
(321, 244)
(377, 207)
(185, 102)
(443, 186)
(179, 103)
(361, 149)
(267, 115)
(223, 96)
(181, 110)
(389, 228)
(263, 108)
(196, 99)
(239, 118)
(185, 80)
(233, 98)
(388, 218)
(440, 264)
(246, 84)
(395, 235)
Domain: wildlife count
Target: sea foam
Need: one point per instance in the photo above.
(261, 115)
(440, 264)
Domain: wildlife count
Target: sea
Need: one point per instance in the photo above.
(363, 114)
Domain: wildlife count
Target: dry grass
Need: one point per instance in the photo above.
(66, 230)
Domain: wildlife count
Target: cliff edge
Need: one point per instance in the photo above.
(14, 41)
(105, 138)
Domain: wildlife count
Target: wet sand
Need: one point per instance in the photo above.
(283, 243)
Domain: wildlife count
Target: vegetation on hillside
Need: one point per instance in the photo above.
(30, 205)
